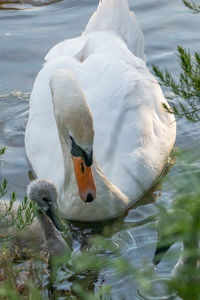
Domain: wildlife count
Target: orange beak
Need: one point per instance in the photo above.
(84, 179)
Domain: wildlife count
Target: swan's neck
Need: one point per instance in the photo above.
(74, 119)
(68, 164)
(70, 188)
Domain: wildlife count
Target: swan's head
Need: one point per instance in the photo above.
(75, 126)
(44, 193)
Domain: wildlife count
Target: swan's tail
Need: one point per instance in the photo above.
(114, 15)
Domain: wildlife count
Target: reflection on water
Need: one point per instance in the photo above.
(28, 29)
(24, 4)
(14, 113)
(9, 5)
(158, 291)
(132, 234)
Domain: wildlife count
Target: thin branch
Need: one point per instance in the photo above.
(193, 6)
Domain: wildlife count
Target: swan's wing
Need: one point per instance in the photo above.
(111, 15)
(71, 47)
(134, 135)
(114, 15)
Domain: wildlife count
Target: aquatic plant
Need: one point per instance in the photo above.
(2, 150)
(192, 5)
(12, 284)
(3, 184)
(181, 223)
(187, 89)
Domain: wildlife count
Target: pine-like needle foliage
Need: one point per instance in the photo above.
(193, 6)
(187, 89)
(2, 150)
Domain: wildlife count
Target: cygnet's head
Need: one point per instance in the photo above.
(44, 193)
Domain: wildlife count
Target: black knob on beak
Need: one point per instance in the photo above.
(89, 198)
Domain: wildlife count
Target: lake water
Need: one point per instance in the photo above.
(27, 31)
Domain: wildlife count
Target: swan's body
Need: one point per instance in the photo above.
(133, 134)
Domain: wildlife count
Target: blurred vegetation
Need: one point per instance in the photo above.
(192, 5)
(2, 150)
(185, 91)
(13, 281)
(182, 221)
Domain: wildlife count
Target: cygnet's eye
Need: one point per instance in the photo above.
(46, 200)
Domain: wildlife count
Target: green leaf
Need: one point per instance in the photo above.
(191, 5)
(2, 150)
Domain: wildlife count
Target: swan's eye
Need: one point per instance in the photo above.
(77, 151)
(82, 168)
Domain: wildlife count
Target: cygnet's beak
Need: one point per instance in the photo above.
(51, 214)
(84, 179)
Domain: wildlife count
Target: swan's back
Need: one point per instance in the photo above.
(114, 15)
(110, 16)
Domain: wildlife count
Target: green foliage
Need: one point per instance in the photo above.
(187, 89)
(26, 211)
(192, 5)
(182, 223)
(2, 150)
(19, 219)
(7, 292)
(25, 214)
(3, 188)
(3, 184)
(11, 286)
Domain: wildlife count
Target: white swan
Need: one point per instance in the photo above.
(95, 94)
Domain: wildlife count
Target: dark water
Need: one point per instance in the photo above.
(27, 31)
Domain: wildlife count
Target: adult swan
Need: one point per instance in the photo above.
(96, 95)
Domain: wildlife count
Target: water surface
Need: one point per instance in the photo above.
(28, 29)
